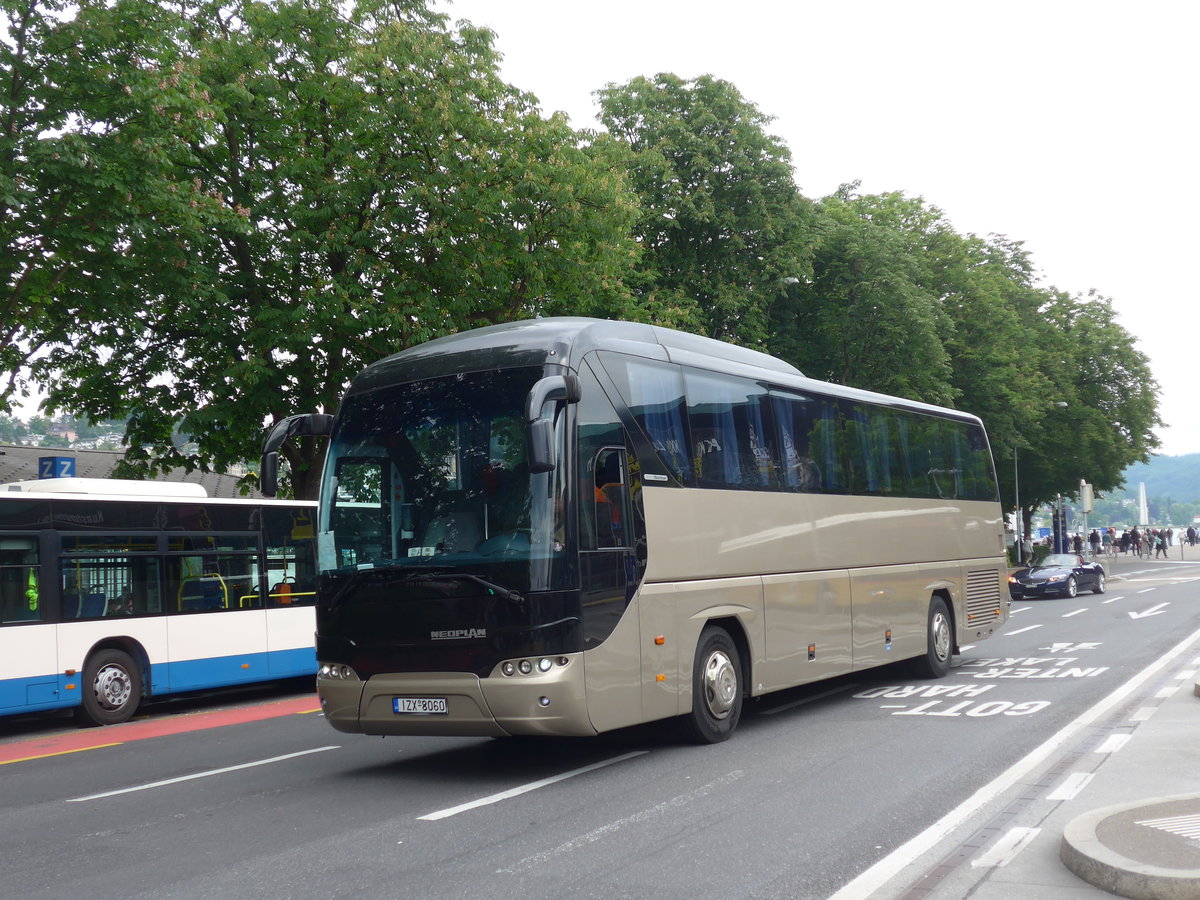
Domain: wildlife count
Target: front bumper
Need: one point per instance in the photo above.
(550, 703)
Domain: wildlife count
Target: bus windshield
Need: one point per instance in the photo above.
(431, 476)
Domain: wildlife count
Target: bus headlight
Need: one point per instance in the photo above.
(337, 672)
(544, 664)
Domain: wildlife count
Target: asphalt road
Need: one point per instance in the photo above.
(818, 786)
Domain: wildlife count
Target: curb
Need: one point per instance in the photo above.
(1088, 856)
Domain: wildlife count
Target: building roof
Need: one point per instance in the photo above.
(19, 463)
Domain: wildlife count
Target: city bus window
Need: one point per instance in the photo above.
(97, 587)
(20, 587)
(810, 441)
(729, 434)
(654, 393)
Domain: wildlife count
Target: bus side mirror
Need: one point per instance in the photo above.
(539, 429)
(293, 426)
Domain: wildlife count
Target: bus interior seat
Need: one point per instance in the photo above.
(94, 606)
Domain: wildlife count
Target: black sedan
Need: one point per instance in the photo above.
(1058, 575)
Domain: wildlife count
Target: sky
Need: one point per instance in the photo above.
(1069, 126)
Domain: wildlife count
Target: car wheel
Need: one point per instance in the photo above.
(1072, 588)
(1100, 584)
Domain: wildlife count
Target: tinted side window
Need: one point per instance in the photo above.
(653, 391)
(809, 441)
(730, 437)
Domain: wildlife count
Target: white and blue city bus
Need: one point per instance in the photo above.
(566, 526)
(112, 591)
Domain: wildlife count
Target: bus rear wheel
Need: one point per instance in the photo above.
(716, 688)
(939, 641)
(112, 689)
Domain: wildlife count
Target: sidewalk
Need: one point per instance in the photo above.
(1133, 829)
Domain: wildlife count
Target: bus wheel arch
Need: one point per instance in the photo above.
(112, 683)
(940, 643)
(720, 675)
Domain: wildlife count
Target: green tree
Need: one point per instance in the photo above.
(97, 110)
(1111, 401)
(723, 226)
(389, 187)
(866, 317)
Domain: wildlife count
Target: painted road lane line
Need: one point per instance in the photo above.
(875, 877)
(525, 788)
(211, 772)
(1074, 613)
(1022, 630)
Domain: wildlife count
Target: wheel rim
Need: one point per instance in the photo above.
(1100, 582)
(1071, 587)
(720, 684)
(112, 687)
(940, 632)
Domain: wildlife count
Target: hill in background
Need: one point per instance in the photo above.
(1177, 477)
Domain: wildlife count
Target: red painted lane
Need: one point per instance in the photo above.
(111, 735)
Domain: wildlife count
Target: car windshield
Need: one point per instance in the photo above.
(432, 475)
(1060, 560)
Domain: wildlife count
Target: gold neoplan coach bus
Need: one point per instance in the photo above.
(566, 526)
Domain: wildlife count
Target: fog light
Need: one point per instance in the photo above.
(543, 701)
(525, 666)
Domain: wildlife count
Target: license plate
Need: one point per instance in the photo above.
(420, 706)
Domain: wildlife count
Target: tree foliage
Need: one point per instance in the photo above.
(388, 187)
(213, 213)
(97, 111)
(723, 225)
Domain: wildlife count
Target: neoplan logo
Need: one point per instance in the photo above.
(458, 634)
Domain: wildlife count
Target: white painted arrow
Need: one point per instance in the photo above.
(1152, 611)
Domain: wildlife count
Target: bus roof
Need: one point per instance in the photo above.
(108, 487)
(566, 340)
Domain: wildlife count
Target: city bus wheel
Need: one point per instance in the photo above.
(112, 689)
(939, 642)
(716, 688)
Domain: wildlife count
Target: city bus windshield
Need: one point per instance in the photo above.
(431, 477)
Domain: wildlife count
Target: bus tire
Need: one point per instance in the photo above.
(939, 641)
(112, 689)
(716, 688)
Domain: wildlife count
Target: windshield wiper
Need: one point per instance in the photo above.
(421, 575)
(507, 593)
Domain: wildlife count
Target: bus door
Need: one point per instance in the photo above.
(29, 664)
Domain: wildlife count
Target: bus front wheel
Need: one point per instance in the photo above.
(716, 688)
(939, 641)
(112, 689)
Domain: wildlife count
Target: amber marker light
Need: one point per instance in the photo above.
(660, 677)
(660, 640)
